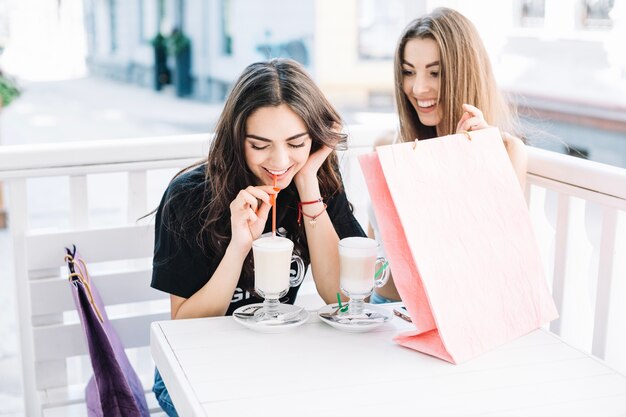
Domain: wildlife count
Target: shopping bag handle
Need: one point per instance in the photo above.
(77, 276)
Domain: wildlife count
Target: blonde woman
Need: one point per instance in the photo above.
(444, 84)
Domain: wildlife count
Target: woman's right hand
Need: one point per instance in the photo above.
(472, 119)
(248, 215)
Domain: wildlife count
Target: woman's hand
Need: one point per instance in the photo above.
(472, 119)
(308, 174)
(309, 171)
(248, 215)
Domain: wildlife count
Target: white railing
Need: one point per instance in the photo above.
(579, 213)
(577, 208)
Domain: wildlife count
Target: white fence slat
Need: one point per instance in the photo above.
(560, 258)
(17, 206)
(63, 341)
(605, 276)
(79, 206)
(137, 195)
(47, 250)
(18, 224)
(54, 295)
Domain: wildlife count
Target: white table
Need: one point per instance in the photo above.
(215, 367)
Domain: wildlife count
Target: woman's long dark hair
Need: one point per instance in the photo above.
(262, 84)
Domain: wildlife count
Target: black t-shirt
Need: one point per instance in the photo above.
(181, 266)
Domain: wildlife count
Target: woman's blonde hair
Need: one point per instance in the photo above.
(465, 76)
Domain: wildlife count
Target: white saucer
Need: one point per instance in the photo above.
(362, 325)
(265, 327)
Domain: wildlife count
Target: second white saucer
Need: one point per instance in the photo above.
(373, 316)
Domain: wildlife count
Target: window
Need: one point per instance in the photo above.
(227, 37)
(113, 24)
(596, 14)
(90, 26)
(380, 24)
(148, 20)
(533, 13)
(179, 16)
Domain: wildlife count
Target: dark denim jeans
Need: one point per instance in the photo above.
(163, 397)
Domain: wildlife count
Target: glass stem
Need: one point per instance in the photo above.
(270, 306)
(355, 307)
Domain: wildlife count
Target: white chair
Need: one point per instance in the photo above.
(119, 264)
(55, 360)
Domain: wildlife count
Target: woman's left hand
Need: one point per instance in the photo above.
(312, 165)
(472, 119)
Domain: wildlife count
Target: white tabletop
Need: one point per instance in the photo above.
(215, 367)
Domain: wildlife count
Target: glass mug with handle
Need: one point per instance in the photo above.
(360, 270)
(272, 270)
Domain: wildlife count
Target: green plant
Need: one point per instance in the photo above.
(177, 42)
(9, 90)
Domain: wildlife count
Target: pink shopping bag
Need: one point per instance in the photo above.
(459, 239)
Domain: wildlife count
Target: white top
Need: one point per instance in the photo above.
(371, 215)
(215, 367)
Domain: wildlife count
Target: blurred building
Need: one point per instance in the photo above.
(562, 48)
(225, 36)
(566, 54)
(561, 60)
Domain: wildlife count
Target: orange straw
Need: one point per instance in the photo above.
(273, 201)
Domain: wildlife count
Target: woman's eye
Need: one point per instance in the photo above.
(407, 73)
(298, 145)
(434, 74)
(259, 148)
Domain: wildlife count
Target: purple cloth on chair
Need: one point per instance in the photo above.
(114, 390)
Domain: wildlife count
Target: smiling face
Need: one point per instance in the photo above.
(421, 68)
(277, 142)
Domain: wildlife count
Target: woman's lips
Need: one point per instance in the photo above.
(279, 174)
(426, 106)
(426, 110)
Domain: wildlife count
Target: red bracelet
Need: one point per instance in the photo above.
(313, 218)
(304, 203)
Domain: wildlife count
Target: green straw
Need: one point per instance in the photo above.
(342, 308)
(380, 271)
